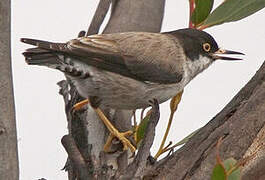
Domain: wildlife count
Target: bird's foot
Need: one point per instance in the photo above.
(114, 133)
(123, 137)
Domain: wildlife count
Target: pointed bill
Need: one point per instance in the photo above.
(219, 52)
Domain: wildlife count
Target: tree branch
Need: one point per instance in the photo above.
(99, 16)
(76, 158)
(136, 168)
(8, 136)
(240, 122)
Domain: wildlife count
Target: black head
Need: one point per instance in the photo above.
(196, 43)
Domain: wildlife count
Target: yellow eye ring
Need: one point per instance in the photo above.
(206, 47)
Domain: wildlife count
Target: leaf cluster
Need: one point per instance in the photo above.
(228, 11)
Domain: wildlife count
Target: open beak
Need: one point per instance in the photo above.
(223, 51)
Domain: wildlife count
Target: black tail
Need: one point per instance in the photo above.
(51, 55)
(37, 56)
(45, 54)
(60, 47)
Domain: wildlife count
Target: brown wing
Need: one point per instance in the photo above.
(146, 56)
(143, 56)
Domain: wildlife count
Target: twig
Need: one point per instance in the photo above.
(142, 114)
(192, 7)
(99, 16)
(139, 163)
(75, 157)
(65, 93)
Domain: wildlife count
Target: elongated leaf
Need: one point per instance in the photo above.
(233, 10)
(201, 11)
(229, 164)
(218, 173)
(141, 129)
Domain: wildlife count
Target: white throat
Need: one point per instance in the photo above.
(192, 68)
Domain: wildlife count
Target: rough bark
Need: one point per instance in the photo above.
(255, 168)
(136, 15)
(241, 123)
(8, 136)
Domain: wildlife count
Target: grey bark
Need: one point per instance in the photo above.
(8, 136)
(99, 16)
(255, 168)
(136, 15)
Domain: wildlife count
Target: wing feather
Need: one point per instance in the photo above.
(146, 56)
(152, 57)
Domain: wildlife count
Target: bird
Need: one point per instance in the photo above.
(127, 70)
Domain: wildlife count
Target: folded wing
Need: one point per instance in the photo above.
(151, 57)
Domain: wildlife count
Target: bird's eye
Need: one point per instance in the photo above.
(206, 47)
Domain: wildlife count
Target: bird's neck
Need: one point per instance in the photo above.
(194, 67)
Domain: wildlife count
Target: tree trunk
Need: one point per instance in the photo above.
(8, 136)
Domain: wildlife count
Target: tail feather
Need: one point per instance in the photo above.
(36, 42)
(46, 53)
(44, 44)
(38, 56)
(51, 55)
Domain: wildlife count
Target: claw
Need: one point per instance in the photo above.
(122, 136)
(114, 133)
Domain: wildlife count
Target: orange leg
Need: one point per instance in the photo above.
(79, 105)
(113, 131)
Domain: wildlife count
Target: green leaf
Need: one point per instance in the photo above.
(229, 164)
(141, 129)
(201, 11)
(218, 173)
(233, 10)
